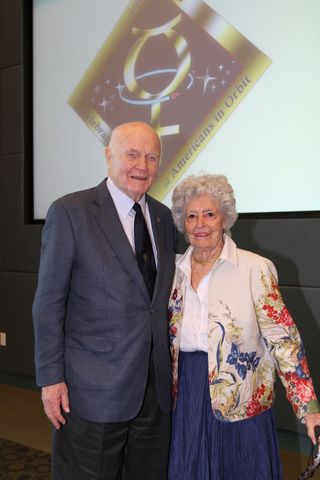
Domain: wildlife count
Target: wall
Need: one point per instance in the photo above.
(19, 243)
(292, 243)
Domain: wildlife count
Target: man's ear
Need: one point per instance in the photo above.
(107, 154)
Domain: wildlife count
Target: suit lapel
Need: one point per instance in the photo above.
(110, 224)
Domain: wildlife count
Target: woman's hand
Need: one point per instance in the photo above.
(312, 420)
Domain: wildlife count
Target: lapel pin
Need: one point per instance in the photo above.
(145, 257)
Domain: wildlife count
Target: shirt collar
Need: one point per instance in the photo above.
(184, 262)
(229, 253)
(122, 202)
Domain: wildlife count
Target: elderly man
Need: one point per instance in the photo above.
(100, 319)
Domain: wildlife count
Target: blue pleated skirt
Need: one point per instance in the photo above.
(204, 448)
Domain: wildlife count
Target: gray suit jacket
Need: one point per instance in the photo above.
(93, 318)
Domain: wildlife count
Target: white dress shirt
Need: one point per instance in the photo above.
(124, 205)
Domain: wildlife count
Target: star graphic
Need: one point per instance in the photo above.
(206, 79)
(119, 87)
(104, 104)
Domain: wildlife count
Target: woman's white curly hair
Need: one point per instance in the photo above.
(216, 186)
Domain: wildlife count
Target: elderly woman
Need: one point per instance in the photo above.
(229, 332)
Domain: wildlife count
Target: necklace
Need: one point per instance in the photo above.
(204, 262)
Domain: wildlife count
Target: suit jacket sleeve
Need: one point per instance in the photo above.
(50, 304)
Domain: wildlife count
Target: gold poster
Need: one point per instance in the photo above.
(175, 64)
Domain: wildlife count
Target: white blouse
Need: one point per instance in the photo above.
(194, 332)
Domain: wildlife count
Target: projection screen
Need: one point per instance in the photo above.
(232, 88)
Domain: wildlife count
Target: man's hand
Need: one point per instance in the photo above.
(55, 397)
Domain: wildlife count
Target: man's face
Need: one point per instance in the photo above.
(133, 157)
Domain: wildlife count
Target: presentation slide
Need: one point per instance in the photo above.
(231, 87)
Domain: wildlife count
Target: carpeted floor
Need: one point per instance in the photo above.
(19, 462)
(293, 464)
(22, 419)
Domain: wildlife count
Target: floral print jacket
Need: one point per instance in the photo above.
(251, 334)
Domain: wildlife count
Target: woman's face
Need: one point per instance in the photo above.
(204, 223)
